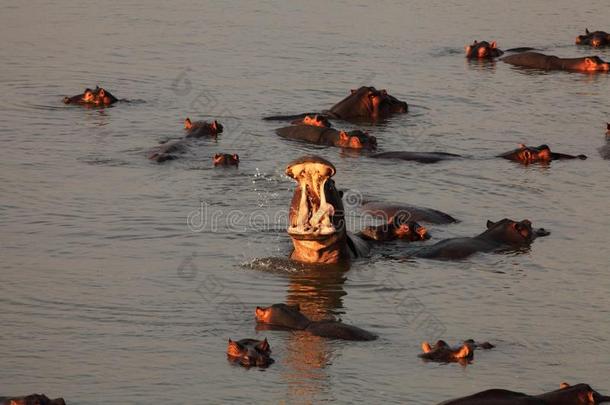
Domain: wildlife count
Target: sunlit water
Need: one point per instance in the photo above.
(107, 295)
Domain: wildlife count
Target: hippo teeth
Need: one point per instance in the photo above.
(311, 219)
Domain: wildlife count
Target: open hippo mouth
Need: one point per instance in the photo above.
(315, 201)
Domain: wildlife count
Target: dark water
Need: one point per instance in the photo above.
(107, 294)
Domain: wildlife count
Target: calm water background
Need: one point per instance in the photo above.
(107, 295)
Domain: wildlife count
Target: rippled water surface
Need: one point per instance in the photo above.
(107, 295)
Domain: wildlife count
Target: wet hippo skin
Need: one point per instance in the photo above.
(421, 157)
(579, 394)
(503, 234)
(365, 103)
(536, 154)
(488, 50)
(596, 39)
(250, 352)
(388, 210)
(98, 97)
(290, 317)
(33, 399)
(329, 136)
(397, 227)
(536, 60)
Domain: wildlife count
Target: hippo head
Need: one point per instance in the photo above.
(250, 352)
(316, 121)
(370, 103)
(599, 39)
(579, 394)
(203, 127)
(97, 97)
(282, 315)
(103, 97)
(594, 64)
(226, 159)
(406, 229)
(531, 154)
(35, 399)
(316, 221)
(442, 352)
(356, 140)
(511, 232)
(483, 49)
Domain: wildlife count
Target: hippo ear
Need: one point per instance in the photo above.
(493, 45)
(236, 157)
(187, 123)
(425, 347)
(587, 31)
(214, 125)
(102, 93)
(608, 126)
(464, 352)
(353, 91)
(263, 346)
(564, 385)
(522, 146)
(490, 224)
(233, 348)
(217, 156)
(343, 136)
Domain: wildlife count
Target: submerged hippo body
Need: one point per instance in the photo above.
(537, 60)
(98, 97)
(536, 154)
(579, 394)
(443, 353)
(420, 157)
(419, 214)
(329, 136)
(33, 399)
(504, 234)
(596, 39)
(365, 103)
(488, 50)
(290, 317)
(167, 151)
(250, 352)
(316, 217)
(397, 227)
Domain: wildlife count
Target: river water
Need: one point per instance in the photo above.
(106, 295)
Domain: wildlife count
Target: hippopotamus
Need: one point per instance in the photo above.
(487, 50)
(605, 150)
(226, 159)
(413, 213)
(99, 97)
(595, 39)
(397, 227)
(535, 154)
(250, 352)
(33, 399)
(420, 157)
(328, 136)
(579, 394)
(167, 151)
(198, 129)
(316, 219)
(503, 234)
(316, 121)
(443, 353)
(290, 317)
(365, 103)
(537, 60)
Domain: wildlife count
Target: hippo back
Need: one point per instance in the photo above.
(496, 397)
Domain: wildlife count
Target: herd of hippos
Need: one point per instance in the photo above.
(317, 226)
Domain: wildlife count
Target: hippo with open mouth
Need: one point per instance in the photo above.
(536, 154)
(579, 394)
(504, 234)
(316, 219)
(365, 103)
(98, 97)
